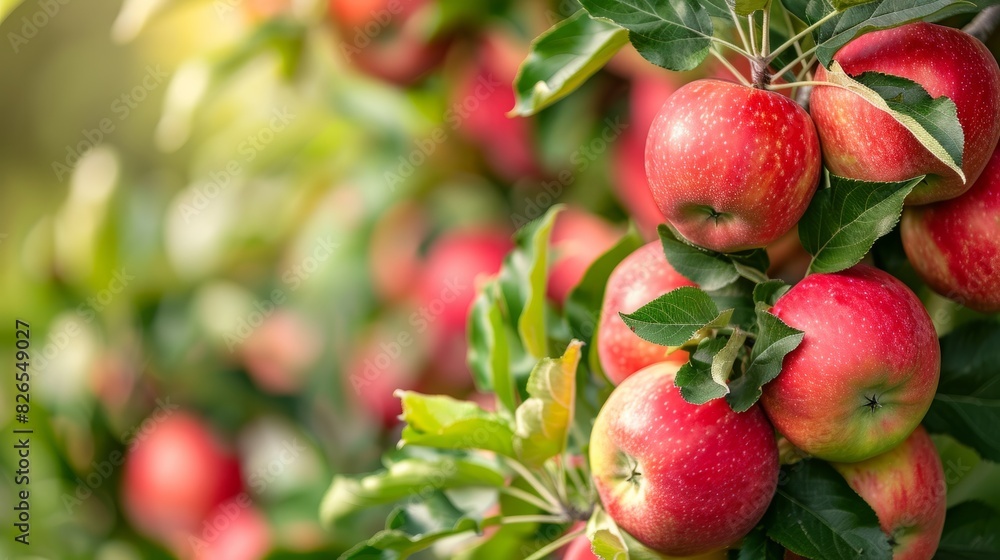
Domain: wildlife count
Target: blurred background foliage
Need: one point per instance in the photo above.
(259, 218)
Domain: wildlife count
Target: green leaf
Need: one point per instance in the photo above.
(708, 269)
(775, 340)
(706, 375)
(416, 527)
(609, 542)
(767, 293)
(756, 546)
(843, 221)
(676, 317)
(746, 7)
(348, 494)
(523, 281)
(967, 403)
(446, 423)
(564, 57)
(817, 515)
(857, 19)
(971, 532)
(674, 34)
(543, 421)
(489, 349)
(933, 122)
(583, 305)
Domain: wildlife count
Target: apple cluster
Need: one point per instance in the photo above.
(733, 168)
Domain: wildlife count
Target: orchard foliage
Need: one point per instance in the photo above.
(513, 478)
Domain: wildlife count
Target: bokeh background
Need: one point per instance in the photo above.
(236, 226)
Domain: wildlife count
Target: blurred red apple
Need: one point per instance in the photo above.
(456, 264)
(639, 279)
(279, 353)
(578, 239)
(390, 355)
(394, 250)
(481, 99)
(176, 472)
(235, 533)
(647, 95)
(955, 245)
(388, 39)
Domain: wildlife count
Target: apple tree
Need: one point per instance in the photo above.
(681, 401)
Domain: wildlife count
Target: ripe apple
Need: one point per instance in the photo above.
(730, 166)
(176, 472)
(631, 185)
(955, 245)
(387, 39)
(455, 264)
(480, 102)
(682, 479)
(446, 288)
(578, 239)
(906, 488)
(862, 142)
(239, 533)
(640, 278)
(279, 353)
(580, 549)
(865, 372)
(390, 355)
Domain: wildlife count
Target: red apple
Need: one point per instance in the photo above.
(865, 372)
(639, 279)
(386, 38)
(906, 488)
(389, 356)
(234, 533)
(480, 102)
(279, 353)
(955, 245)
(578, 239)
(176, 472)
(646, 97)
(730, 166)
(682, 479)
(580, 549)
(862, 142)
(455, 264)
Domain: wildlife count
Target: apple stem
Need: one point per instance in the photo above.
(556, 544)
(984, 24)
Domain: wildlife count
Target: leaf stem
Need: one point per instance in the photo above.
(753, 36)
(556, 544)
(791, 30)
(731, 68)
(805, 83)
(799, 59)
(765, 31)
(530, 498)
(542, 490)
(727, 44)
(515, 519)
(803, 33)
(739, 27)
